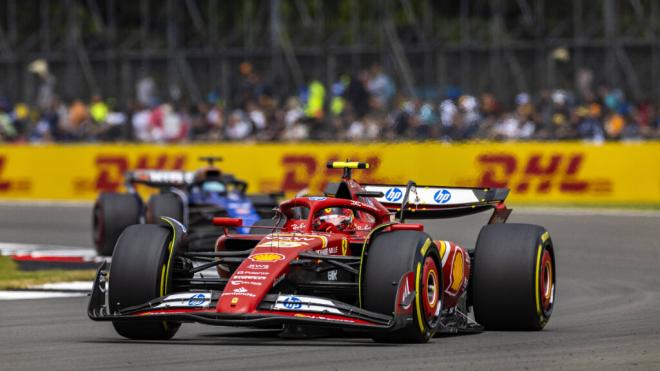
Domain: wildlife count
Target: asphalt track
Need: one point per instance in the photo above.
(607, 313)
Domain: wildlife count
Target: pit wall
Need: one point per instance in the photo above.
(537, 173)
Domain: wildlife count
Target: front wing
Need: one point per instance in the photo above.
(274, 310)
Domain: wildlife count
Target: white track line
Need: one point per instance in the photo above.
(13, 248)
(21, 295)
(80, 286)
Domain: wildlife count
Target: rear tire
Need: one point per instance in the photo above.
(390, 256)
(164, 204)
(113, 212)
(139, 266)
(513, 283)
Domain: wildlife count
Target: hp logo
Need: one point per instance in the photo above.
(292, 302)
(393, 194)
(442, 196)
(196, 300)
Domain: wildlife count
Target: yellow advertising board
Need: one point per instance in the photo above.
(575, 173)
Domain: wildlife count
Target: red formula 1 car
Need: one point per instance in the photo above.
(345, 260)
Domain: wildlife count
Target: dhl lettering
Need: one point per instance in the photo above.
(5, 185)
(307, 171)
(14, 185)
(299, 169)
(111, 168)
(537, 174)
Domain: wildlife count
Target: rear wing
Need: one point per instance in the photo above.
(175, 178)
(160, 178)
(432, 202)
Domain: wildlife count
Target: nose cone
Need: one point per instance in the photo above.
(263, 269)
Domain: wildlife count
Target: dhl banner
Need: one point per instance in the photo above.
(539, 173)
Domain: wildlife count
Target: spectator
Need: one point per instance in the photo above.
(238, 127)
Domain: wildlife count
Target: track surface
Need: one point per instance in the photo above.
(607, 314)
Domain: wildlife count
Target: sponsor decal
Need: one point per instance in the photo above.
(282, 243)
(298, 226)
(247, 277)
(258, 266)
(317, 198)
(253, 273)
(332, 275)
(328, 251)
(362, 227)
(442, 196)
(234, 301)
(186, 300)
(305, 303)
(196, 300)
(457, 272)
(344, 247)
(266, 257)
(276, 240)
(292, 302)
(393, 194)
(249, 283)
(241, 289)
(249, 294)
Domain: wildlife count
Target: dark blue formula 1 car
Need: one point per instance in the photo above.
(191, 197)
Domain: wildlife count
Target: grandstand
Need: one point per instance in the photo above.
(176, 70)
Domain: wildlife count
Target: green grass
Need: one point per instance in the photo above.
(13, 278)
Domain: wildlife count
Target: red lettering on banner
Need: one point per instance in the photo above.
(544, 173)
(499, 169)
(299, 171)
(305, 171)
(111, 172)
(14, 185)
(555, 171)
(571, 184)
(111, 168)
(4, 184)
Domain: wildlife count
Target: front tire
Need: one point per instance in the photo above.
(113, 212)
(390, 256)
(513, 284)
(139, 273)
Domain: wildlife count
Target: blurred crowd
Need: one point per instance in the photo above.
(361, 107)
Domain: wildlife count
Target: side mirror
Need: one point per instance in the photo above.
(228, 222)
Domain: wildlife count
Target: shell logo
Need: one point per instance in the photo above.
(457, 271)
(266, 257)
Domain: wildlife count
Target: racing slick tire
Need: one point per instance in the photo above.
(513, 282)
(164, 204)
(391, 255)
(113, 212)
(138, 274)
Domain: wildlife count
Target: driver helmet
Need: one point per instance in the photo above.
(339, 217)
